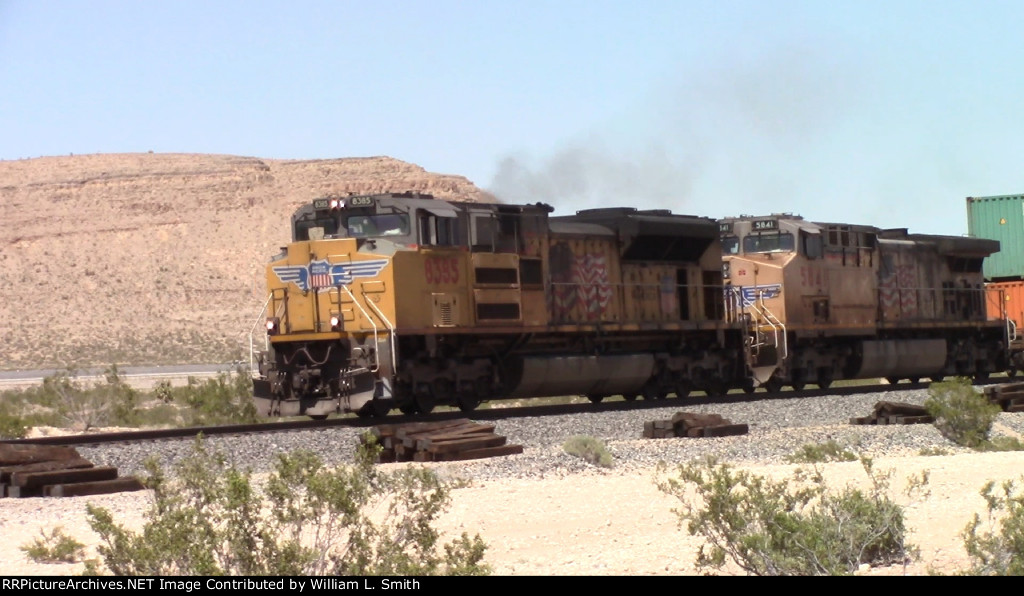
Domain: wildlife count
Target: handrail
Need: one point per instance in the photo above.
(1011, 325)
(376, 361)
(391, 332)
(252, 334)
(768, 317)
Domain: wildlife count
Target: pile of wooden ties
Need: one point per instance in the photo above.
(447, 440)
(687, 424)
(891, 412)
(1009, 396)
(52, 471)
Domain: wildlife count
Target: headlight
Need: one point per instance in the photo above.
(273, 326)
(335, 322)
(335, 203)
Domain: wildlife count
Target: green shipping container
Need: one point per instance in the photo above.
(999, 218)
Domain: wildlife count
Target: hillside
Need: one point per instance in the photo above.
(158, 258)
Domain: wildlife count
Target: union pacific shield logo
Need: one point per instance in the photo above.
(749, 295)
(322, 275)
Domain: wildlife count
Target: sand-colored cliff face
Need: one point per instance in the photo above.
(158, 258)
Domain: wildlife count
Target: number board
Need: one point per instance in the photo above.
(360, 201)
(725, 227)
(764, 224)
(321, 204)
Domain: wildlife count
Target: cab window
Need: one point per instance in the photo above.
(730, 245)
(438, 231)
(326, 226)
(772, 242)
(812, 245)
(374, 226)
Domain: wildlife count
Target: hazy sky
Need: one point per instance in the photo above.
(879, 112)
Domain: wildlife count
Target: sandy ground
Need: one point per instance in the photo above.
(597, 523)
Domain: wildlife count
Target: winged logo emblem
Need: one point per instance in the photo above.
(322, 275)
(749, 295)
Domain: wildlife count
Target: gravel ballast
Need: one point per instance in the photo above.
(778, 428)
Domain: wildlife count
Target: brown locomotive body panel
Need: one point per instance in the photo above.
(840, 301)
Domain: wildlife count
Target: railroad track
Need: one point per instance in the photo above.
(482, 414)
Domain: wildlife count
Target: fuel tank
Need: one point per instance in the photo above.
(902, 358)
(548, 376)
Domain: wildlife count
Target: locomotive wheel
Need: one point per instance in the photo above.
(595, 399)
(1011, 372)
(748, 386)
(319, 416)
(467, 402)
(773, 385)
(630, 397)
(425, 403)
(716, 388)
(892, 380)
(376, 408)
(683, 388)
(824, 377)
(937, 378)
(651, 392)
(443, 391)
(408, 408)
(381, 408)
(798, 379)
(914, 380)
(981, 375)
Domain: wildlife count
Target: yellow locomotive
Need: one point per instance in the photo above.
(404, 301)
(838, 301)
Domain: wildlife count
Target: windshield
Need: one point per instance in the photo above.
(312, 229)
(371, 226)
(730, 245)
(777, 242)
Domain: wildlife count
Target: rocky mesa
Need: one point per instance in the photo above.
(159, 258)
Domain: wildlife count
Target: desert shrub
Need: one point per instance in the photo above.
(308, 519)
(12, 424)
(54, 547)
(81, 405)
(164, 392)
(829, 451)
(932, 451)
(962, 414)
(1002, 443)
(123, 399)
(589, 448)
(996, 545)
(159, 415)
(225, 399)
(790, 527)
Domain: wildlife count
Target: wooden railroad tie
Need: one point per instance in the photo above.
(1009, 396)
(891, 412)
(51, 471)
(448, 440)
(687, 424)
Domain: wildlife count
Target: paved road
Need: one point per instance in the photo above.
(137, 376)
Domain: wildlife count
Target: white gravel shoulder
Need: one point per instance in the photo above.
(547, 512)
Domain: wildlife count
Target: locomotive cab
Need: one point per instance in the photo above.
(331, 313)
